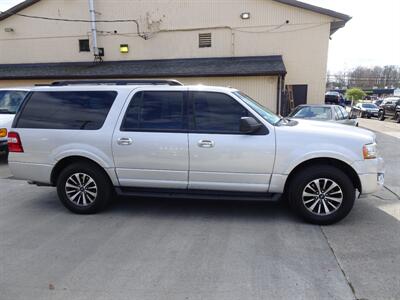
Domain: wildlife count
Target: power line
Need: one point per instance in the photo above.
(101, 33)
(239, 29)
(85, 21)
(275, 30)
(76, 20)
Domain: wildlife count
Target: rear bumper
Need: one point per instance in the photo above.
(41, 173)
(31, 172)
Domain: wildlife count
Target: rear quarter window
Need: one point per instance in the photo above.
(86, 110)
(10, 101)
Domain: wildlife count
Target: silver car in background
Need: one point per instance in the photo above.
(328, 113)
(365, 110)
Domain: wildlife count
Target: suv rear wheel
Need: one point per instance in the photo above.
(83, 188)
(322, 194)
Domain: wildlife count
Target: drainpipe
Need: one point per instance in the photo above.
(93, 27)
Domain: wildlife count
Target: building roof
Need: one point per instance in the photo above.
(17, 8)
(316, 9)
(294, 3)
(191, 67)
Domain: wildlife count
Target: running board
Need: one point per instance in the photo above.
(195, 194)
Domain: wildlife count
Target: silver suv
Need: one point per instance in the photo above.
(166, 140)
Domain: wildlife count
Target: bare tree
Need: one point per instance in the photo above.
(367, 77)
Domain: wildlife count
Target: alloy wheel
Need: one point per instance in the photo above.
(81, 189)
(322, 196)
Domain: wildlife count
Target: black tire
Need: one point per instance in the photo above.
(381, 116)
(4, 155)
(397, 117)
(104, 190)
(304, 177)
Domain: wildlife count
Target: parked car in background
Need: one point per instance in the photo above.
(390, 108)
(377, 102)
(365, 110)
(10, 101)
(347, 102)
(335, 98)
(92, 141)
(329, 113)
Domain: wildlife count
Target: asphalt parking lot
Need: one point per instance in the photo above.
(177, 249)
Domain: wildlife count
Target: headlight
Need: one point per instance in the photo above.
(3, 132)
(370, 151)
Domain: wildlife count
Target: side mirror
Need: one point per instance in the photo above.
(249, 125)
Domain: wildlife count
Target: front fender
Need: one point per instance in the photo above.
(288, 168)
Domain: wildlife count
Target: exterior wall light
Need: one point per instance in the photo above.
(124, 48)
(245, 15)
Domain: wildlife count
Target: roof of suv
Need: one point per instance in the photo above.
(86, 87)
(16, 89)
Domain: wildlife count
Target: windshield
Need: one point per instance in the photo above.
(264, 112)
(313, 113)
(369, 105)
(10, 101)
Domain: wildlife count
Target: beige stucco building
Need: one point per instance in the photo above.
(259, 46)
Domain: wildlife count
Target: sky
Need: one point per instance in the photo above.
(371, 38)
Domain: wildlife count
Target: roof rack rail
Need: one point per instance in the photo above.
(119, 82)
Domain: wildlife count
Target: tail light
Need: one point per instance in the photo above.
(14, 142)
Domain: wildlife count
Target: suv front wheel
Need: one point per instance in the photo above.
(397, 117)
(83, 188)
(381, 116)
(322, 194)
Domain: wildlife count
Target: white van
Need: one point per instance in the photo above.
(10, 100)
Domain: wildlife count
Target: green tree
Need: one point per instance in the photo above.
(355, 94)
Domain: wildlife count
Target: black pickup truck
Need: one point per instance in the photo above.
(390, 107)
(335, 98)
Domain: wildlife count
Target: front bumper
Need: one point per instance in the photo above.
(371, 173)
(372, 113)
(371, 183)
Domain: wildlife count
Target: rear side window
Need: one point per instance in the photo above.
(339, 115)
(217, 113)
(344, 112)
(10, 101)
(67, 110)
(155, 111)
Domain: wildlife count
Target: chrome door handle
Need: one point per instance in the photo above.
(206, 144)
(124, 141)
